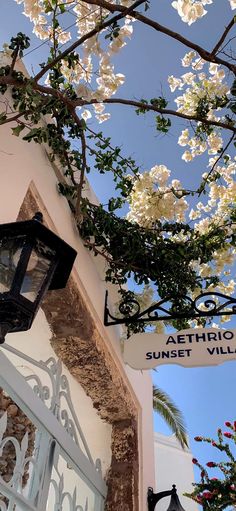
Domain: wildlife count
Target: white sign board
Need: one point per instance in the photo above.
(189, 348)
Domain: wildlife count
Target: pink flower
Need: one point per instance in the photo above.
(227, 434)
(208, 495)
(198, 438)
(195, 461)
(211, 464)
(228, 424)
(213, 443)
(234, 425)
(214, 479)
(232, 487)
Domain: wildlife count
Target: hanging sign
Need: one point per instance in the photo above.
(194, 347)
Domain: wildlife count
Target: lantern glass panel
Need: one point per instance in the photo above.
(10, 251)
(37, 269)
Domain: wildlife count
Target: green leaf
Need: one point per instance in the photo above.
(232, 106)
(2, 117)
(62, 8)
(159, 102)
(18, 129)
(162, 124)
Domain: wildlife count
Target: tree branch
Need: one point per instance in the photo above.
(72, 104)
(8, 80)
(107, 257)
(139, 104)
(206, 55)
(14, 117)
(83, 169)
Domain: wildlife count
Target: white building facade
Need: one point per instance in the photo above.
(173, 465)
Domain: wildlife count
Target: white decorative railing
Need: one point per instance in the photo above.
(62, 475)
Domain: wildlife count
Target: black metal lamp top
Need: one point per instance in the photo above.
(153, 498)
(174, 501)
(32, 260)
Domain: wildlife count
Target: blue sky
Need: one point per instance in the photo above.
(205, 395)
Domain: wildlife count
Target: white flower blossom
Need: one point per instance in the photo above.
(184, 138)
(190, 10)
(188, 58)
(174, 83)
(187, 156)
(232, 4)
(153, 199)
(86, 114)
(103, 117)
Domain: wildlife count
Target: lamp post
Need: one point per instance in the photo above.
(153, 498)
(32, 260)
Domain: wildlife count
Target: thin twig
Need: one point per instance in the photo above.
(214, 166)
(222, 38)
(96, 135)
(14, 58)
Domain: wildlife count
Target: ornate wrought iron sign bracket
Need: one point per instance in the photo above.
(204, 305)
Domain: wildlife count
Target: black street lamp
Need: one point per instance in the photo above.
(32, 260)
(153, 498)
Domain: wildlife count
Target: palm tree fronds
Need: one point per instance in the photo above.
(163, 404)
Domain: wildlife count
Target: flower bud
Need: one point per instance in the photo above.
(208, 495)
(227, 434)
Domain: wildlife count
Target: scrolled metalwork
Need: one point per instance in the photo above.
(214, 305)
(21, 460)
(65, 499)
(56, 396)
(128, 307)
(204, 305)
